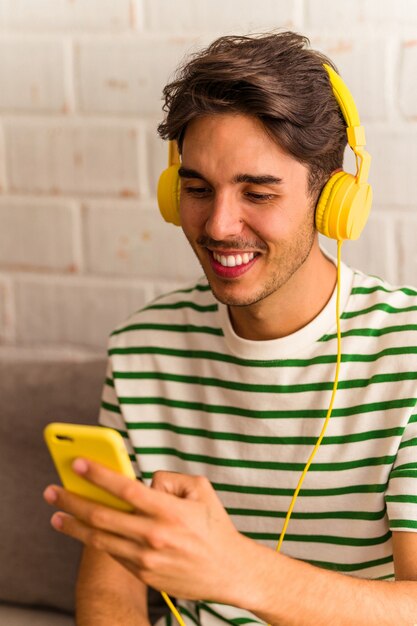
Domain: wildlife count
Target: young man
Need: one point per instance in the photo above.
(221, 389)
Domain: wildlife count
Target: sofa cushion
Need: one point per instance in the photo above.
(17, 616)
(38, 565)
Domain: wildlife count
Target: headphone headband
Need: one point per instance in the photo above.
(173, 154)
(343, 96)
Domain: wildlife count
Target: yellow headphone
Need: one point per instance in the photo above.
(345, 201)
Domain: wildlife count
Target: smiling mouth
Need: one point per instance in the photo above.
(233, 260)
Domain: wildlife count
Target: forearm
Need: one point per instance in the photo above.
(106, 594)
(287, 592)
(108, 608)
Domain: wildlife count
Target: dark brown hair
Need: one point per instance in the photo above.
(275, 77)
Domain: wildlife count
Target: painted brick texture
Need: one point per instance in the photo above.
(130, 238)
(185, 16)
(31, 75)
(123, 75)
(47, 235)
(79, 311)
(82, 244)
(407, 83)
(72, 157)
(44, 15)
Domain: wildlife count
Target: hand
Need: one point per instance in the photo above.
(178, 539)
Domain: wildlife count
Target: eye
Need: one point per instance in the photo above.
(259, 197)
(197, 191)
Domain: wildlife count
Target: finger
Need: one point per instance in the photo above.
(100, 517)
(132, 491)
(127, 552)
(182, 485)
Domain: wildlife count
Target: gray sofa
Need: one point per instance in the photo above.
(38, 566)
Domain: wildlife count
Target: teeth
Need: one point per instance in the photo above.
(232, 260)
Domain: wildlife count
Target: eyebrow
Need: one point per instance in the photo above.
(261, 179)
(184, 172)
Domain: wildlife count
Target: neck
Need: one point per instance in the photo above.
(292, 306)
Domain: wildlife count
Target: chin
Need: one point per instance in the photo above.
(231, 297)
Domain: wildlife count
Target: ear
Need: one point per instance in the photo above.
(339, 169)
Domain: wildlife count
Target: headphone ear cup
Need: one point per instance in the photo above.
(343, 207)
(169, 195)
(324, 203)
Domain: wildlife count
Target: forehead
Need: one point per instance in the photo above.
(230, 143)
(222, 127)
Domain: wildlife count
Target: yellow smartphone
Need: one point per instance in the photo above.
(104, 445)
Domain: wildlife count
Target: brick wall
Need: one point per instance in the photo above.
(81, 241)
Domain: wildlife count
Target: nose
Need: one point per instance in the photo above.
(225, 219)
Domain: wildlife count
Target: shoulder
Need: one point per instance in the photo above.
(192, 305)
(382, 295)
(378, 308)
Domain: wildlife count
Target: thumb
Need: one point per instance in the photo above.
(185, 486)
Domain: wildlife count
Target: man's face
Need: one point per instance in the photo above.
(244, 208)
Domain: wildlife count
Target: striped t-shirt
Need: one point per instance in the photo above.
(191, 396)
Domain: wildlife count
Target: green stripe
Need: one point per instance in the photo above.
(124, 434)
(299, 413)
(244, 620)
(110, 407)
(371, 332)
(201, 308)
(403, 473)
(267, 465)
(325, 539)
(226, 358)
(183, 611)
(257, 439)
(365, 290)
(278, 491)
(406, 466)
(408, 499)
(409, 443)
(109, 382)
(227, 384)
(351, 567)
(196, 287)
(176, 328)
(356, 515)
(204, 607)
(380, 306)
(403, 523)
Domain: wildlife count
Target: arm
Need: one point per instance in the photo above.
(181, 540)
(107, 594)
(287, 592)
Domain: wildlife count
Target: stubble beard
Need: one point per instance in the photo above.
(289, 262)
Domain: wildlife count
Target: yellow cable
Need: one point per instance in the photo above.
(329, 412)
(173, 608)
(319, 440)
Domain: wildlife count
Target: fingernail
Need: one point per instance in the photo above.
(80, 466)
(50, 495)
(56, 521)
